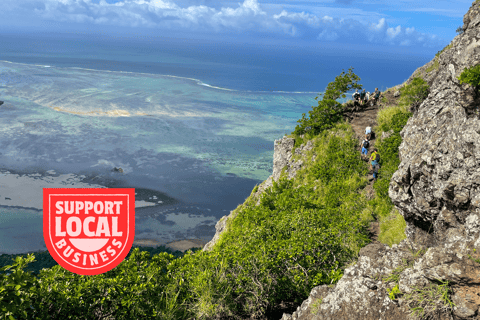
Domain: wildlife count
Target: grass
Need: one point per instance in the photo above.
(446, 48)
(428, 302)
(434, 66)
(392, 228)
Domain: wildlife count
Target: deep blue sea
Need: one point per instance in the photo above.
(191, 122)
(239, 66)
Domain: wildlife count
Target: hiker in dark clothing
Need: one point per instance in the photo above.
(375, 171)
(365, 144)
(355, 97)
(362, 97)
(376, 95)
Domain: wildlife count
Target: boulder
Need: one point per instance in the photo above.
(386, 134)
(396, 94)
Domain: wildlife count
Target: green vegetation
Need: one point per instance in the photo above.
(329, 110)
(424, 303)
(392, 228)
(471, 76)
(415, 92)
(477, 260)
(304, 232)
(434, 66)
(392, 225)
(315, 306)
(446, 48)
(459, 30)
(43, 259)
(394, 292)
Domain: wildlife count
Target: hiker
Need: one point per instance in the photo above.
(362, 97)
(375, 171)
(376, 95)
(368, 133)
(374, 158)
(355, 96)
(365, 144)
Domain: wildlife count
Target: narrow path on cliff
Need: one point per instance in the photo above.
(367, 117)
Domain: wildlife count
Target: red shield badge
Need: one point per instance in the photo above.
(88, 231)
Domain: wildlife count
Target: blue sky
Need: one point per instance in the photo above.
(411, 25)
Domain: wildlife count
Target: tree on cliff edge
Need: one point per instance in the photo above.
(329, 110)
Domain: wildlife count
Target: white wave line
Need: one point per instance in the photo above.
(199, 82)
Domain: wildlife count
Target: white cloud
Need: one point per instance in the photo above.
(328, 36)
(380, 26)
(247, 16)
(392, 33)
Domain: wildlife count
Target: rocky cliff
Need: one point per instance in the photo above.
(436, 188)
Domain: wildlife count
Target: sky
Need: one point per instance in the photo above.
(423, 26)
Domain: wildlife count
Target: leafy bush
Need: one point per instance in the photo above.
(43, 259)
(471, 76)
(415, 92)
(329, 110)
(459, 30)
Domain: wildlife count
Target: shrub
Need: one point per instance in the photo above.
(471, 76)
(434, 66)
(329, 110)
(415, 92)
(459, 30)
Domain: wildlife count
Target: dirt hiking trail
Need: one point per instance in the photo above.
(366, 116)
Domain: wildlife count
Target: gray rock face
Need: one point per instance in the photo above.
(396, 94)
(360, 294)
(437, 184)
(437, 190)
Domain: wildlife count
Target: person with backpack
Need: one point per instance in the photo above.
(374, 158)
(365, 144)
(362, 97)
(368, 133)
(355, 96)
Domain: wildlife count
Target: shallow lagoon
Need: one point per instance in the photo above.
(200, 148)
